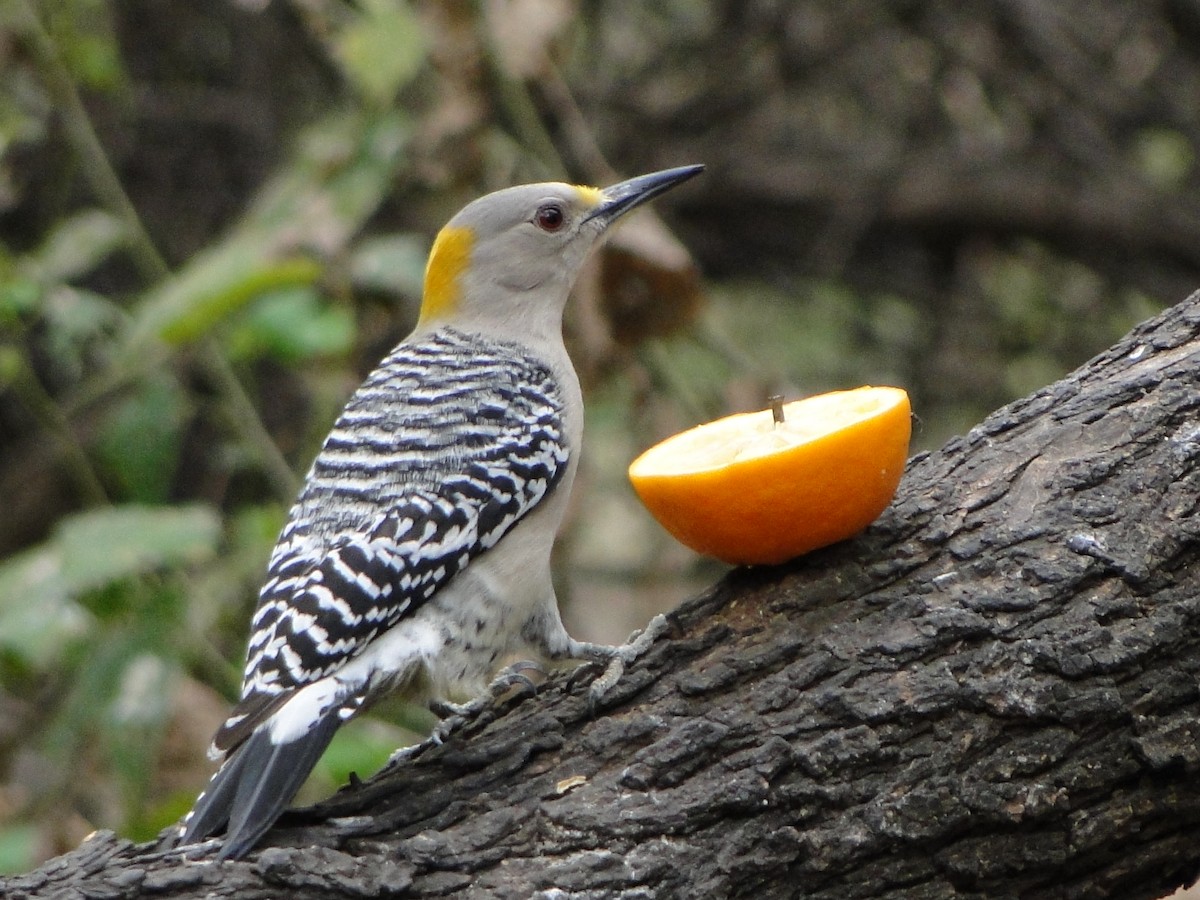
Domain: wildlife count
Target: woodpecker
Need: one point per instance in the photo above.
(417, 556)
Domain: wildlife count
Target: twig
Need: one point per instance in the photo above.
(247, 422)
(517, 103)
(48, 413)
(82, 136)
(108, 189)
(575, 128)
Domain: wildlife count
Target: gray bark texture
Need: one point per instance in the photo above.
(992, 692)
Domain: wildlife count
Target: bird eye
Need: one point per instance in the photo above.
(549, 217)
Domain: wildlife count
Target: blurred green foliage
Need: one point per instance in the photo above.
(94, 621)
(103, 620)
(172, 408)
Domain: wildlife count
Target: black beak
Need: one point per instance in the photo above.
(620, 198)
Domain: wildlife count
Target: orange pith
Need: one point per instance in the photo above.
(747, 490)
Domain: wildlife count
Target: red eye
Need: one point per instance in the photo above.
(549, 217)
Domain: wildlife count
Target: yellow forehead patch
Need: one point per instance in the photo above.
(448, 259)
(590, 195)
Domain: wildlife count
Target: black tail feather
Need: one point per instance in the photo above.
(211, 811)
(252, 788)
(270, 780)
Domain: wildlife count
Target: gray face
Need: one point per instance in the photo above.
(527, 244)
(533, 234)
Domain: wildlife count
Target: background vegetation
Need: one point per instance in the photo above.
(213, 221)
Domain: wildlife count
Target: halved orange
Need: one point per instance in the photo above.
(750, 489)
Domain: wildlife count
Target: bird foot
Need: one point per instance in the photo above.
(515, 680)
(616, 659)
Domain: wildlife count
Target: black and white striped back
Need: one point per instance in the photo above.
(445, 446)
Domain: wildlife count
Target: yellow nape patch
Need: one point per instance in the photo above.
(590, 195)
(443, 273)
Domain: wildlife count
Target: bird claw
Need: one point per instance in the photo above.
(515, 676)
(611, 661)
(455, 715)
(449, 724)
(616, 659)
(444, 709)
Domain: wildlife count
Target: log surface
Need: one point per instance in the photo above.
(993, 692)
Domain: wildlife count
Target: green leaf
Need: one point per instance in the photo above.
(18, 296)
(1164, 156)
(214, 285)
(293, 324)
(105, 545)
(79, 326)
(136, 716)
(342, 172)
(39, 619)
(75, 247)
(12, 365)
(139, 441)
(84, 38)
(392, 263)
(75, 318)
(320, 200)
(119, 682)
(382, 49)
(256, 528)
(18, 848)
(143, 692)
(23, 104)
(95, 60)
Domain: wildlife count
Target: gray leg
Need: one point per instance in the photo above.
(615, 659)
(454, 715)
(558, 647)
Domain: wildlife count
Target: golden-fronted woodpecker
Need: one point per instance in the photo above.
(417, 556)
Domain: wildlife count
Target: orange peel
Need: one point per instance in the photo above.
(748, 489)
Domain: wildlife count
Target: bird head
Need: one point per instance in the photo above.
(512, 256)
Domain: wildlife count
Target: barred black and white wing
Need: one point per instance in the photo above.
(446, 446)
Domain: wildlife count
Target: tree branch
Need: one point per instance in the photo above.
(993, 690)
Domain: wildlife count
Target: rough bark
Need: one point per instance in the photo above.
(991, 692)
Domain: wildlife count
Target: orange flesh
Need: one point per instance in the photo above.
(748, 490)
